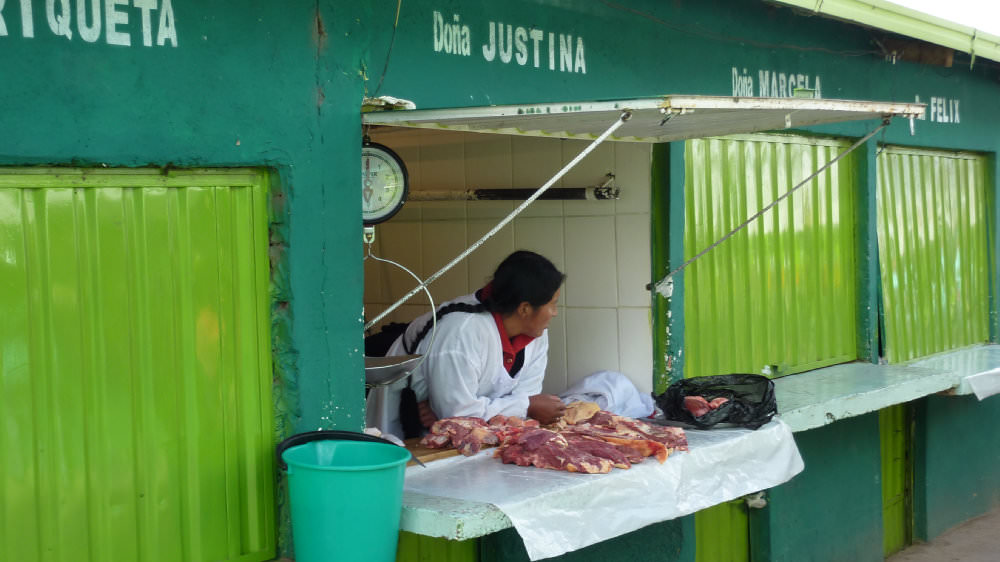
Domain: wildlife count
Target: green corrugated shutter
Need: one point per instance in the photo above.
(897, 477)
(135, 366)
(782, 291)
(932, 235)
(722, 532)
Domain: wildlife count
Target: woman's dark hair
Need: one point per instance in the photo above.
(523, 276)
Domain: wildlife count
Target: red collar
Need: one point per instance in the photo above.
(510, 347)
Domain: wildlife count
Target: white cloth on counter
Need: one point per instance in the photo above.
(557, 512)
(613, 392)
(462, 373)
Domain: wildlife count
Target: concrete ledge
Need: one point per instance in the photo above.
(977, 368)
(823, 396)
(449, 518)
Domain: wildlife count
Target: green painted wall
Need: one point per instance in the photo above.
(833, 509)
(279, 85)
(956, 455)
(284, 87)
(670, 541)
(252, 83)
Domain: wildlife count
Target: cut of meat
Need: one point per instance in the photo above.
(577, 412)
(547, 449)
(467, 434)
(717, 402)
(697, 405)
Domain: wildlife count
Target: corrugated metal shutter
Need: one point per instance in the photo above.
(932, 235)
(722, 532)
(782, 291)
(135, 366)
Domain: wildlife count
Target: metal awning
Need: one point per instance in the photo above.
(660, 119)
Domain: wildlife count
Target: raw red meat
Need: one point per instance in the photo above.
(467, 434)
(547, 449)
(718, 402)
(697, 405)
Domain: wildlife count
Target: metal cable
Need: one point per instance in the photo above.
(429, 297)
(625, 116)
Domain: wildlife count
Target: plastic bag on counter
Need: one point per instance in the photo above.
(703, 402)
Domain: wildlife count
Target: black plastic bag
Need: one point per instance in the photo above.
(750, 400)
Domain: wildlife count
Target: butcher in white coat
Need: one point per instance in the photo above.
(486, 357)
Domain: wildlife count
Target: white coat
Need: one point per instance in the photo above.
(462, 374)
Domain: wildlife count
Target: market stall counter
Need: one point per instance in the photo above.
(557, 512)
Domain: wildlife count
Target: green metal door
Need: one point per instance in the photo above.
(932, 237)
(135, 366)
(782, 291)
(722, 533)
(896, 441)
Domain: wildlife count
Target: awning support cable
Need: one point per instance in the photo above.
(665, 286)
(625, 116)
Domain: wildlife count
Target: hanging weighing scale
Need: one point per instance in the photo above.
(385, 185)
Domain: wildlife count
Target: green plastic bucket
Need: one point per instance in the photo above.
(346, 497)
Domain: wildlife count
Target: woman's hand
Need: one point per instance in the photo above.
(546, 408)
(427, 416)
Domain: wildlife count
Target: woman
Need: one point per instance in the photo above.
(488, 355)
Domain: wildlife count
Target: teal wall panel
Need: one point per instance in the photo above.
(956, 455)
(782, 290)
(669, 541)
(933, 233)
(833, 509)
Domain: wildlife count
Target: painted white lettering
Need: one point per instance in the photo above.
(954, 109)
(536, 36)
(490, 50)
(819, 90)
(466, 41)
(763, 84)
(520, 38)
(59, 23)
(27, 22)
(552, 51)
(112, 18)
(505, 54)
(580, 65)
(742, 83)
(92, 32)
(438, 22)
(3, 26)
(565, 53)
(782, 85)
(168, 28)
(146, 6)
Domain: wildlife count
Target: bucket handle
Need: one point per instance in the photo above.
(332, 435)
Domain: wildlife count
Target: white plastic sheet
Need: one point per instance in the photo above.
(985, 384)
(557, 512)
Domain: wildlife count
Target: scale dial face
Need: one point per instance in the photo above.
(384, 183)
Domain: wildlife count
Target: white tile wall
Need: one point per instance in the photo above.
(603, 246)
(592, 341)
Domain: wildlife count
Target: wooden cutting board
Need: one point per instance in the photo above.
(426, 454)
